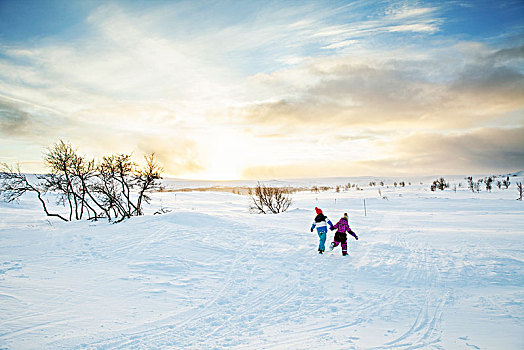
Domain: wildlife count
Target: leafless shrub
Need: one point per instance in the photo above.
(471, 184)
(488, 181)
(14, 184)
(121, 187)
(519, 187)
(270, 199)
(115, 188)
(506, 182)
(440, 184)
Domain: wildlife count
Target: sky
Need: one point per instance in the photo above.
(224, 90)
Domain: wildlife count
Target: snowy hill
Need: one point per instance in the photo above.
(431, 270)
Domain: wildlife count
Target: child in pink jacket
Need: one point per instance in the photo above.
(341, 237)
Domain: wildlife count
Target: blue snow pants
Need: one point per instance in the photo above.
(322, 236)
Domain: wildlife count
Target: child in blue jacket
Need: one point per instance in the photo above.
(321, 221)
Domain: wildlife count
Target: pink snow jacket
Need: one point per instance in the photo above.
(342, 227)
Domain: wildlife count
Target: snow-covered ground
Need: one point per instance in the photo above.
(431, 270)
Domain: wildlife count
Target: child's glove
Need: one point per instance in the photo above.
(331, 228)
(356, 237)
(312, 229)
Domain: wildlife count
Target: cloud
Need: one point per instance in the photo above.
(13, 121)
(481, 151)
(402, 91)
(24, 120)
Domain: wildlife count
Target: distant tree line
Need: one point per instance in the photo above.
(476, 186)
(114, 187)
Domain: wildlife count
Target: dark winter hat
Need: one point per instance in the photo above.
(318, 210)
(346, 216)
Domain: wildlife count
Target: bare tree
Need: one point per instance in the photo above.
(115, 187)
(440, 184)
(506, 182)
(471, 184)
(14, 184)
(488, 181)
(519, 187)
(145, 180)
(70, 176)
(60, 159)
(270, 199)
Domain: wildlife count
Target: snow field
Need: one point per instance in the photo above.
(431, 270)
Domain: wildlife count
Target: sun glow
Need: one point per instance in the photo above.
(224, 153)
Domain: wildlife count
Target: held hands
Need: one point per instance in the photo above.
(332, 228)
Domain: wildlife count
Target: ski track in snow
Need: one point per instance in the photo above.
(427, 273)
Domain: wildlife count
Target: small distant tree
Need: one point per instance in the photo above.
(488, 183)
(471, 184)
(440, 184)
(506, 182)
(477, 185)
(499, 184)
(270, 199)
(519, 187)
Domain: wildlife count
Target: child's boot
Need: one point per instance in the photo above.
(344, 248)
(332, 246)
